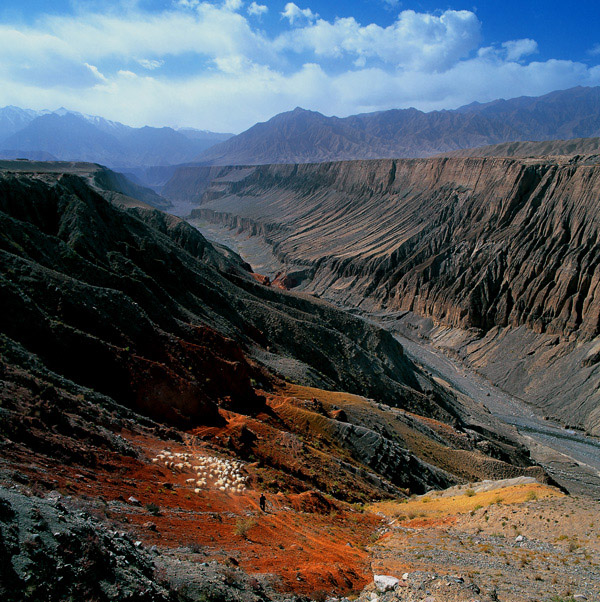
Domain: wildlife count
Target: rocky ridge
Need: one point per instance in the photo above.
(546, 148)
(302, 136)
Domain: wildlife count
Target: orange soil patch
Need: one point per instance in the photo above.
(319, 550)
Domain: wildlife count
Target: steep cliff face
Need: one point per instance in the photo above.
(192, 181)
(474, 243)
(546, 148)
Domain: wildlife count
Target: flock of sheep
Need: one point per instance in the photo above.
(225, 475)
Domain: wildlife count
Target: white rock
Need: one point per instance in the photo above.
(385, 583)
(519, 538)
(405, 577)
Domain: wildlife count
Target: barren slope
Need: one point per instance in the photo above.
(546, 148)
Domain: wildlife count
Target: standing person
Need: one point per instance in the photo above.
(263, 502)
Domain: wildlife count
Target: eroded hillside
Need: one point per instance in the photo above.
(487, 246)
(153, 387)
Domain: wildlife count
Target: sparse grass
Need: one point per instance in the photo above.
(461, 503)
(243, 526)
(573, 545)
(153, 509)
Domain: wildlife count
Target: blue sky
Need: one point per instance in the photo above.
(223, 65)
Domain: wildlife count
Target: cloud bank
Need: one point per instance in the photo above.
(212, 65)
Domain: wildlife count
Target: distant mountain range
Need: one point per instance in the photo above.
(297, 136)
(301, 136)
(70, 136)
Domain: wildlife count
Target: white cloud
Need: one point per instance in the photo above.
(125, 74)
(293, 13)
(208, 30)
(150, 64)
(108, 64)
(257, 9)
(517, 49)
(414, 40)
(233, 5)
(594, 50)
(96, 72)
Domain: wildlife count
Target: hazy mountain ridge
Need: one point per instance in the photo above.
(301, 136)
(71, 136)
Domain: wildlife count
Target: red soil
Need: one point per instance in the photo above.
(312, 543)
